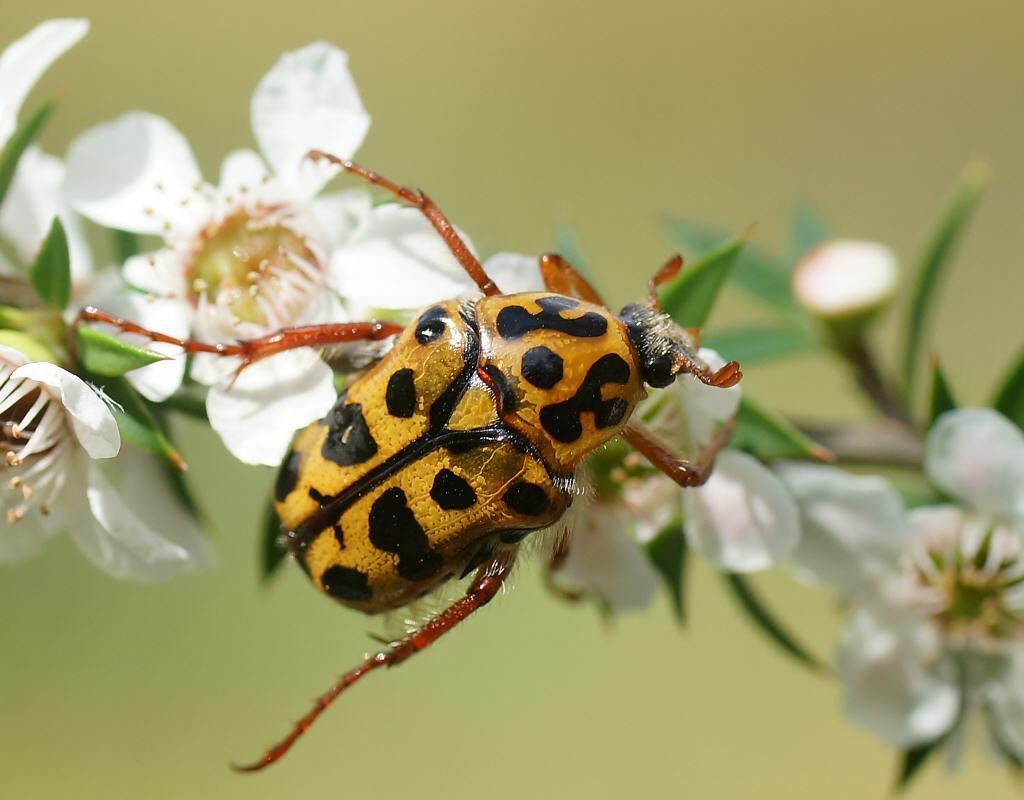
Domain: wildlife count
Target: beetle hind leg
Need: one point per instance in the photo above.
(486, 585)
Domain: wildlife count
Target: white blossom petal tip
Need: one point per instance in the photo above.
(308, 101)
(135, 173)
(743, 518)
(24, 61)
(845, 278)
(977, 455)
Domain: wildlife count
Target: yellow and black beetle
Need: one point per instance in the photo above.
(441, 457)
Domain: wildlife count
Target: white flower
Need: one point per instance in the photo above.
(34, 197)
(743, 518)
(243, 258)
(845, 278)
(937, 592)
(54, 430)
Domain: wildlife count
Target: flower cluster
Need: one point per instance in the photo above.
(931, 581)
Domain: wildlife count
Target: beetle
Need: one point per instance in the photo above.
(441, 457)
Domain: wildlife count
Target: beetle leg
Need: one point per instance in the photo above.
(436, 217)
(488, 581)
(667, 272)
(683, 471)
(250, 350)
(562, 277)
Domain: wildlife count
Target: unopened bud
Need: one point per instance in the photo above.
(846, 280)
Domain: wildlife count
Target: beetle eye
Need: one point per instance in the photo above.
(658, 371)
(431, 326)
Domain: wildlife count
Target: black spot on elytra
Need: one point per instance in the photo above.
(345, 583)
(542, 367)
(394, 529)
(515, 321)
(318, 497)
(452, 492)
(527, 498)
(431, 325)
(562, 420)
(349, 440)
(400, 396)
(288, 477)
(499, 383)
(339, 536)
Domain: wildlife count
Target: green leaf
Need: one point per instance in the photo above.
(688, 299)
(189, 402)
(135, 422)
(273, 553)
(765, 620)
(767, 436)
(1009, 399)
(17, 145)
(753, 345)
(35, 350)
(668, 553)
(126, 245)
(103, 354)
(913, 759)
(756, 273)
(808, 229)
(50, 273)
(941, 399)
(952, 224)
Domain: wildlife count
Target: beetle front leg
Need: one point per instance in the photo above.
(561, 276)
(249, 350)
(488, 581)
(683, 471)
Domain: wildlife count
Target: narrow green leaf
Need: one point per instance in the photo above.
(1009, 399)
(941, 399)
(767, 435)
(17, 145)
(103, 354)
(126, 245)
(688, 299)
(754, 345)
(937, 252)
(135, 422)
(668, 553)
(755, 272)
(189, 402)
(808, 229)
(175, 475)
(50, 273)
(765, 620)
(913, 759)
(274, 553)
(32, 348)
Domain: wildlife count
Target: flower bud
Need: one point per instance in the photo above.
(846, 281)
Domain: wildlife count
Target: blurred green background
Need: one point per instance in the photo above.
(518, 117)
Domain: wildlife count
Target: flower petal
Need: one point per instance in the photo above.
(91, 420)
(308, 101)
(258, 416)
(24, 61)
(398, 261)
(854, 526)
(136, 173)
(977, 455)
(896, 683)
(514, 272)
(1007, 703)
(25, 538)
(605, 559)
(743, 518)
(341, 214)
(34, 198)
(138, 530)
